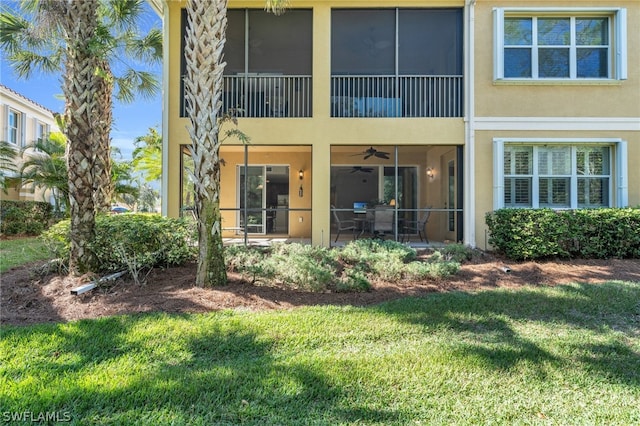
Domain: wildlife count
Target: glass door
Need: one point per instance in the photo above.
(252, 194)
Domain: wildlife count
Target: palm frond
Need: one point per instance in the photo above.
(123, 14)
(143, 83)
(26, 63)
(7, 157)
(147, 48)
(12, 28)
(277, 7)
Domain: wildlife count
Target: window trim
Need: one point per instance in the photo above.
(16, 127)
(618, 43)
(619, 192)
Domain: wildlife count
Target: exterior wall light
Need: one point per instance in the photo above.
(430, 172)
(300, 176)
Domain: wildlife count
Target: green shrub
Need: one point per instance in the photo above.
(24, 217)
(541, 233)
(371, 250)
(437, 269)
(456, 252)
(351, 268)
(354, 280)
(302, 266)
(149, 240)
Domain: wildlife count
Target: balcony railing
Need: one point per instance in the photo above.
(396, 96)
(261, 95)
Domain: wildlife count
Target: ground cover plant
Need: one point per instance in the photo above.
(536, 355)
(349, 268)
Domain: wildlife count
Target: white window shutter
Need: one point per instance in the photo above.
(621, 44)
(498, 43)
(498, 174)
(23, 129)
(5, 129)
(622, 193)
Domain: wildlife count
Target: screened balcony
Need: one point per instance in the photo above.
(268, 64)
(268, 95)
(396, 62)
(396, 96)
(262, 95)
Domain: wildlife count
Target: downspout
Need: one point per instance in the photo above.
(469, 152)
(164, 190)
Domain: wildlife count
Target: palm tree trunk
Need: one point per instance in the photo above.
(207, 22)
(103, 184)
(79, 86)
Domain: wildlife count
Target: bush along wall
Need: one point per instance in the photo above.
(523, 234)
(24, 217)
(130, 241)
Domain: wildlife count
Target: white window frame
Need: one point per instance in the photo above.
(618, 190)
(617, 40)
(41, 131)
(13, 129)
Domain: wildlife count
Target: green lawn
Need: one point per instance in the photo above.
(20, 251)
(568, 355)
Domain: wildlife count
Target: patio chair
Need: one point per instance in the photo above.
(343, 225)
(383, 221)
(418, 226)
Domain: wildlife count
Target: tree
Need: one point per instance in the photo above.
(81, 39)
(7, 162)
(45, 165)
(204, 42)
(147, 156)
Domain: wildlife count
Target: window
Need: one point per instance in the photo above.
(573, 44)
(558, 174)
(14, 127)
(41, 132)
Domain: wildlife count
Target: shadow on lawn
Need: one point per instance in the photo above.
(224, 375)
(226, 372)
(483, 325)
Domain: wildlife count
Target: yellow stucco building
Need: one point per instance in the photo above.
(439, 111)
(23, 122)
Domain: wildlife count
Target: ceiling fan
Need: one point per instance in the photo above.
(356, 169)
(372, 152)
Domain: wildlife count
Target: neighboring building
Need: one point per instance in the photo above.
(22, 122)
(455, 108)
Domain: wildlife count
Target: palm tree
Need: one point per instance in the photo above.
(45, 165)
(82, 38)
(204, 43)
(147, 156)
(7, 162)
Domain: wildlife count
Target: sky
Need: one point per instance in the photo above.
(129, 120)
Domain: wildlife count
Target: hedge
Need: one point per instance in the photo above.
(24, 217)
(523, 234)
(148, 240)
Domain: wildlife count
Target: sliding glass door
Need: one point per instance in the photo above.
(266, 198)
(252, 198)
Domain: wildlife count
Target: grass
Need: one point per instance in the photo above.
(16, 252)
(566, 355)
